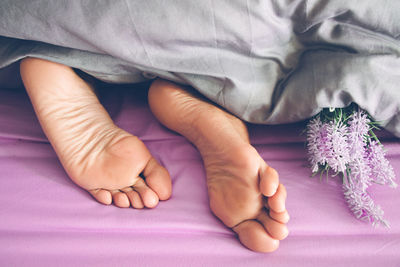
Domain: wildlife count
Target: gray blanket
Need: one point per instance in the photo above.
(267, 61)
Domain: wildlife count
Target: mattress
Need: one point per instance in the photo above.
(48, 221)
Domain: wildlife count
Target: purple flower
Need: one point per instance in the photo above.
(346, 147)
(381, 169)
(357, 134)
(362, 205)
(339, 155)
(360, 171)
(315, 145)
(327, 144)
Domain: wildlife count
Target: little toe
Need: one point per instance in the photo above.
(253, 236)
(277, 201)
(102, 196)
(158, 179)
(120, 199)
(149, 197)
(282, 217)
(134, 198)
(269, 181)
(276, 229)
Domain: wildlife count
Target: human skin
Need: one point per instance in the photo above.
(116, 167)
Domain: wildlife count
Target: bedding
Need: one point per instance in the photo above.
(268, 62)
(48, 221)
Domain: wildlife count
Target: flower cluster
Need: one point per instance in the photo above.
(342, 141)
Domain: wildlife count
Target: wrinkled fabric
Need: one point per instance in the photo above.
(46, 220)
(267, 62)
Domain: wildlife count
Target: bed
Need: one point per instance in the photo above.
(48, 221)
(268, 62)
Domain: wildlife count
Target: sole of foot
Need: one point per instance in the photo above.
(244, 191)
(111, 164)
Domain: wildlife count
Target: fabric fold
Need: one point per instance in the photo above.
(268, 62)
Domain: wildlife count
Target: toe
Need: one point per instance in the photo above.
(277, 201)
(276, 229)
(120, 199)
(102, 196)
(253, 235)
(149, 197)
(282, 217)
(269, 181)
(134, 198)
(158, 179)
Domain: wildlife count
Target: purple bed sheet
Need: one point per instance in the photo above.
(45, 220)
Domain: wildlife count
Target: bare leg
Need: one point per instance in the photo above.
(245, 193)
(97, 155)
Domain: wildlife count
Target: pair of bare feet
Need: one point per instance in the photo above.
(116, 167)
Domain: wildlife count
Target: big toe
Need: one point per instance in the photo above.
(253, 235)
(158, 179)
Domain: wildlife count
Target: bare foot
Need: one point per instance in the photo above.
(97, 155)
(245, 193)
